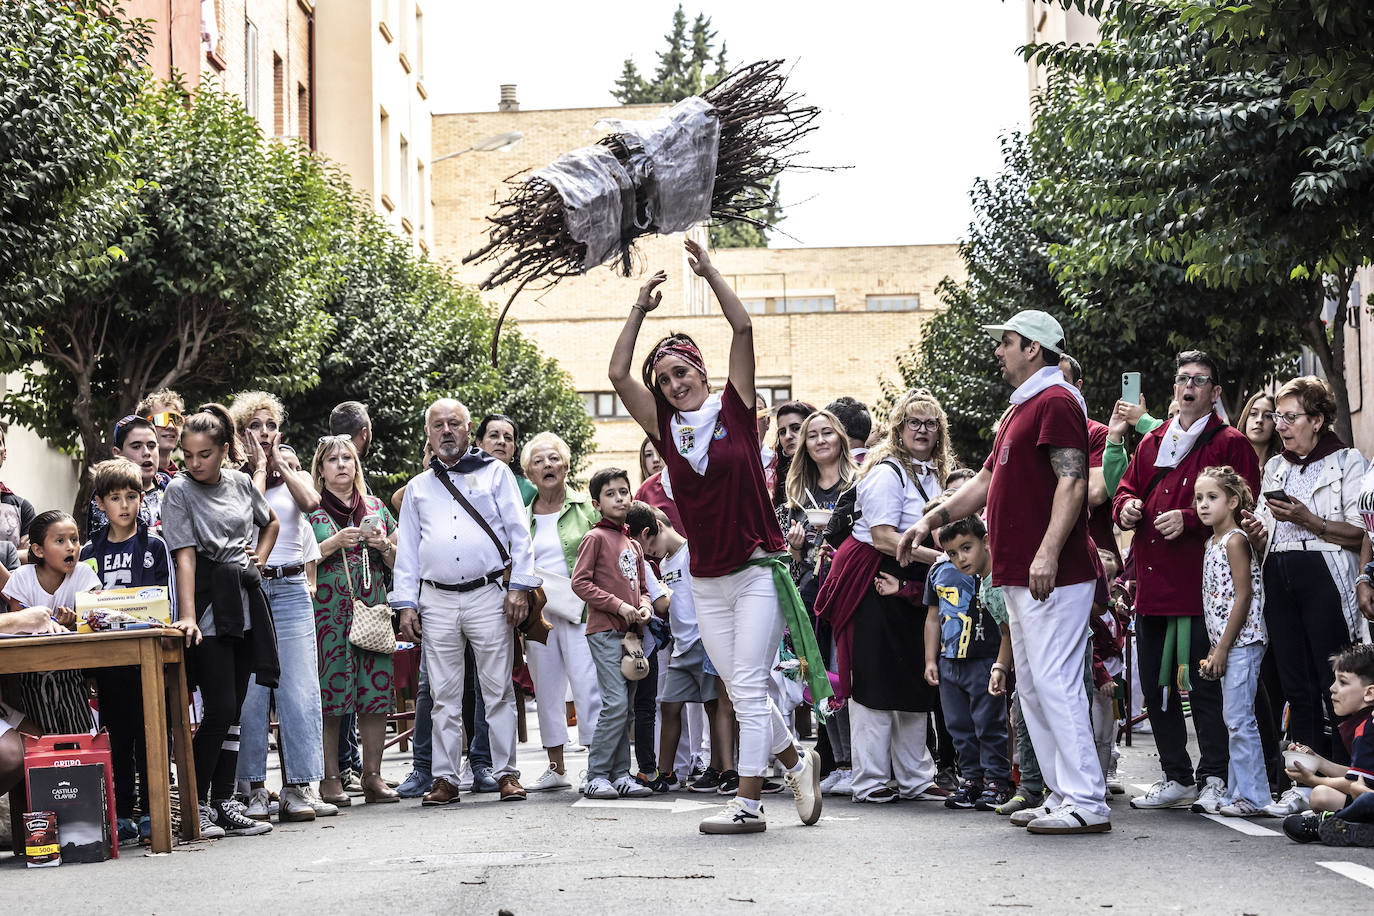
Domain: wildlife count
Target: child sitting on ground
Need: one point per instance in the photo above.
(1342, 796)
(967, 640)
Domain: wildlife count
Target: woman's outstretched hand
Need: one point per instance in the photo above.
(649, 296)
(697, 258)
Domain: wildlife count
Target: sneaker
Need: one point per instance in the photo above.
(736, 818)
(321, 807)
(1114, 785)
(1019, 801)
(946, 779)
(1025, 816)
(846, 784)
(729, 783)
(352, 782)
(964, 797)
(1210, 799)
(1241, 807)
(600, 787)
(1294, 801)
(1166, 793)
(1305, 827)
(295, 806)
(670, 782)
(770, 787)
(805, 783)
(550, 780)
(209, 830)
(1070, 819)
(257, 805)
(1335, 831)
(828, 783)
(708, 781)
(628, 787)
(233, 818)
(415, 785)
(878, 796)
(647, 779)
(483, 780)
(127, 831)
(465, 775)
(994, 795)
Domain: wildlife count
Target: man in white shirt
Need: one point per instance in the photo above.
(448, 573)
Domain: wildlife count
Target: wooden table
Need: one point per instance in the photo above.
(165, 701)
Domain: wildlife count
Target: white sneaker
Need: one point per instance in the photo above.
(258, 800)
(805, 784)
(1070, 819)
(846, 784)
(209, 830)
(295, 806)
(1241, 807)
(1210, 799)
(828, 783)
(1166, 793)
(736, 818)
(1294, 801)
(465, 776)
(1114, 785)
(1024, 817)
(600, 787)
(629, 787)
(321, 807)
(551, 779)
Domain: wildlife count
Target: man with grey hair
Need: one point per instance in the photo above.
(351, 419)
(448, 580)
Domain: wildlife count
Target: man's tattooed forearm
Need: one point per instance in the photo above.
(1069, 462)
(942, 516)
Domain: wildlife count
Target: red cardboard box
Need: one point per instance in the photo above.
(56, 751)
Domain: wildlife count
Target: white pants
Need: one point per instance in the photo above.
(741, 626)
(1049, 640)
(563, 661)
(449, 621)
(889, 745)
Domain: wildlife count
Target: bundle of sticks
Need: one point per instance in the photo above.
(760, 122)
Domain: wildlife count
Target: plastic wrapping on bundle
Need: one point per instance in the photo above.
(672, 161)
(598, 199)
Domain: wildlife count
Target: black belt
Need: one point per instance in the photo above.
(281, 572)
(469, 586)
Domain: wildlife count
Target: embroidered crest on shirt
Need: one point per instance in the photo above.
(719, 432)
(686, 440)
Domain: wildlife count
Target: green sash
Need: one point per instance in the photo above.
(803, 637)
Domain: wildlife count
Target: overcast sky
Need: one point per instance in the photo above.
(913, 95)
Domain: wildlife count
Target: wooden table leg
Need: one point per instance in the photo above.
(179, 718)
(155, 736)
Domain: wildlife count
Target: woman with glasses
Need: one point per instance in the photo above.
(164, 409)
(1309, 519)
(880, 636)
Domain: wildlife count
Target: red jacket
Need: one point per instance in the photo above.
(1169, 573)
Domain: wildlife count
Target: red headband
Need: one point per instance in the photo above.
(683, 351)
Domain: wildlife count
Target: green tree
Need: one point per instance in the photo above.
(69, 72)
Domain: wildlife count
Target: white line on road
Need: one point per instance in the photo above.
(1361, 873)
(1243, 825)
(678, 806)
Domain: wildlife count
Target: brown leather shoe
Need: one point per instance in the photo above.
(443, 793)
(511, 790)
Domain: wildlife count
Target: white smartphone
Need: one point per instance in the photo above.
(1130, 387)
(369, 525)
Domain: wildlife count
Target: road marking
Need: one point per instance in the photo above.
(1361, 873)
(678, 805)
(1242, 825)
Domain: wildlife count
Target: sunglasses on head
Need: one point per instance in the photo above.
(166, 418)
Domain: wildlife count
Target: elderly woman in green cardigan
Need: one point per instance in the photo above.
(559, 517)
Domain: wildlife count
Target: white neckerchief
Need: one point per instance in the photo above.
(1048, 377)
(923, 468)
(1178, 442)
(692, 431)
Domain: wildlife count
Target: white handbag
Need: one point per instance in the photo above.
(562, 602)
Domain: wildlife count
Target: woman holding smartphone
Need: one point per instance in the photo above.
(357, 536)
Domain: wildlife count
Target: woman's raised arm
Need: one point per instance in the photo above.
(742, 341)
(638, 400)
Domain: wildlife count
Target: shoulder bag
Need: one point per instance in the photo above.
(371, 629)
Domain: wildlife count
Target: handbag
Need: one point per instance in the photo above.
(371, 629)
(534, 626)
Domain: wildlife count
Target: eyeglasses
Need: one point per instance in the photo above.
(1287, 419)
(1197, 381)
(165, 418)
(916, 424)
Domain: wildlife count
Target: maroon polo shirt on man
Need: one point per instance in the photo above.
(1021, 495)
(726, 512)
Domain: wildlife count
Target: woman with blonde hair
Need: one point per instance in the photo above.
(880, 637)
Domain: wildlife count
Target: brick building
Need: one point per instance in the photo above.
(829, 321)
(262, 52)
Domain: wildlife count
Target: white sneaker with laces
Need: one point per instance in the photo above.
(828, 783)
(550, 779)
(805, 784)
(846, 784)
(465, 776)
(1166, 793)
(209, 830)
(1068, 819)
(321, 807)
(295, 806)
(736, 818)
(258, 800)
(600, 787)
(1114, 785)
(1294, 801)
(1241, 807)
(1024, 817)
(1210, 799)
(629, 787)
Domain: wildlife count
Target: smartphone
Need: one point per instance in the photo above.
(1130, 387)
(369, 525)
(1277, 496)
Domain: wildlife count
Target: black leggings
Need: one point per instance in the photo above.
(223, 665)
(645, 709)
(1302, 609)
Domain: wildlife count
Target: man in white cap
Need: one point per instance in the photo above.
(1035, 486)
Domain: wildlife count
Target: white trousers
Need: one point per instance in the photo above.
(741, 626)
(889, 745)
(449, 621)
(1049, 640)
(564, 661)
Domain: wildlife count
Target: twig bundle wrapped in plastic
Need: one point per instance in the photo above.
(714, 156)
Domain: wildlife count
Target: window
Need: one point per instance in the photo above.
(775, 395)
(795, 304)
(894, 303)
(419, 36)
(384, 136)
(605, 405)
(755, 306)
(279, 126)
(420, 195)
(303, 115)
(250, 67)
(403, 195)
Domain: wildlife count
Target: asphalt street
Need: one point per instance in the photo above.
(558, 853)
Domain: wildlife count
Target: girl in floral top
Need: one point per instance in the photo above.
(1232, 599)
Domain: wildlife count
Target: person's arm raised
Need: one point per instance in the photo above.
(638, 400)
(967, 500)
(742, 340)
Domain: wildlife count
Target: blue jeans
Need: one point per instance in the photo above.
(977, 720)
(609, 756)
(297, 695)
(1246, 775)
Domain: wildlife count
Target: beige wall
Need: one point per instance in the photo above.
(33, 468)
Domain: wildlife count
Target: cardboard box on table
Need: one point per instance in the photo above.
(149, 603)
(72, 776)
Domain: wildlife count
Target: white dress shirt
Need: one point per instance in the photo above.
(438, 540)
